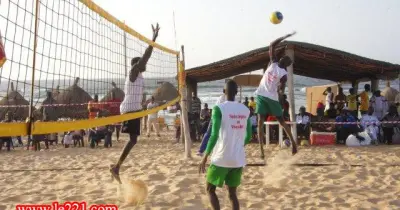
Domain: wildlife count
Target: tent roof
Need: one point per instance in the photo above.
(310, 60)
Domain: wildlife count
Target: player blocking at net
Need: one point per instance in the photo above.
(134, 87)
(270, 93)
(231, 131)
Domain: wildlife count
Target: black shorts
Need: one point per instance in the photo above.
(131, 126)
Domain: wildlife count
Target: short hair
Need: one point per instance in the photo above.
(135, 60)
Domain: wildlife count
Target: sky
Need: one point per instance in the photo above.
(212, 30)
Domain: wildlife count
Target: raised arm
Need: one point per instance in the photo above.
(141, 64)
(273, 45)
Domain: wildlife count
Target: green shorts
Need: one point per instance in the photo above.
(219, 175)
(267, 106)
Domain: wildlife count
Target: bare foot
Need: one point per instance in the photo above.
(115, 173)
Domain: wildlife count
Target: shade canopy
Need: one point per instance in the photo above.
(310, 60)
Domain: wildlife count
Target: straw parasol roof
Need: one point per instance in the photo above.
(11, 99)
(51, 111)
(119, 94)
(389, 93)
(166, 92)
(76, 96)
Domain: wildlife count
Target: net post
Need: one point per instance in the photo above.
(30, 116)
(125, 54)
(184, 111)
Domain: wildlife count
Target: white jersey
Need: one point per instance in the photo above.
(229, 149)
(133, 95)
(270, 81)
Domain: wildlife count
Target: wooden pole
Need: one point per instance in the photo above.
(292, 108)
(374, 85)
(30, 119)
(184, 110)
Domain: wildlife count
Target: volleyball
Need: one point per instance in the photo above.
(276, 17)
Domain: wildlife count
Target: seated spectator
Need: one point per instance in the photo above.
(332, 112)
(205, 117)
(101, 132)
(344, 130)
(388, 128)
(325, 125)
(370, 124)
(303, 120)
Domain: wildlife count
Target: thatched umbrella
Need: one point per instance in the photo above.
(166, 92)
(51, 111)
(118, 93)
(12, 99)
(75, 96)
(389, 93)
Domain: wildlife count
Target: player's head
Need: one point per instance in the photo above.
(367, 87)
(328, 89)
(96, 98)
(152, 99)
(205, 106)
(134, 61)
(351, 90)
(285, 61)
(302, 110)
(231, 90)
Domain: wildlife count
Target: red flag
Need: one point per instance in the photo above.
(2, 52)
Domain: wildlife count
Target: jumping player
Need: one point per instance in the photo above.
(231, 131)
(134, 86)
(270, 92)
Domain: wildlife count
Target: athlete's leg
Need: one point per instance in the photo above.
(213, 196)
(288, 131)
(260, 125)
(117, 129)
(233, 198)
(127, 149)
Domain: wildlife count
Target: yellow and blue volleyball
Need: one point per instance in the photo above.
(276, 17)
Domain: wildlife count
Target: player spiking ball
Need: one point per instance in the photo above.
(269, 94)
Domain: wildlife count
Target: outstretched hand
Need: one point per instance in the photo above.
(155, 31)
(291, 34)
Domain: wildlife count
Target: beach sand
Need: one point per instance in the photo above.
(358, 178)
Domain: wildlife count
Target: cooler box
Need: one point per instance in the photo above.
(322, 138)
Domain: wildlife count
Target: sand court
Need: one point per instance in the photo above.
(346, 178)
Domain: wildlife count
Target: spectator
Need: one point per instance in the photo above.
(253, 120)
(285, 107)
(364, 103)
(205, 117)
(332, 112)
(196, 109)
(205, 113)
(178, 127)
(352, 103)
(388, 128)
(252, 103)
(100, 132)
(329, 97)
(246, 101)
(152, 118)
(379, 104)
(344, 130)
(94, 107)
(303, 120)
(113, 108)
(320, 109)
(6, 139)
(222, 98)
(340, 99)
(370, 124)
